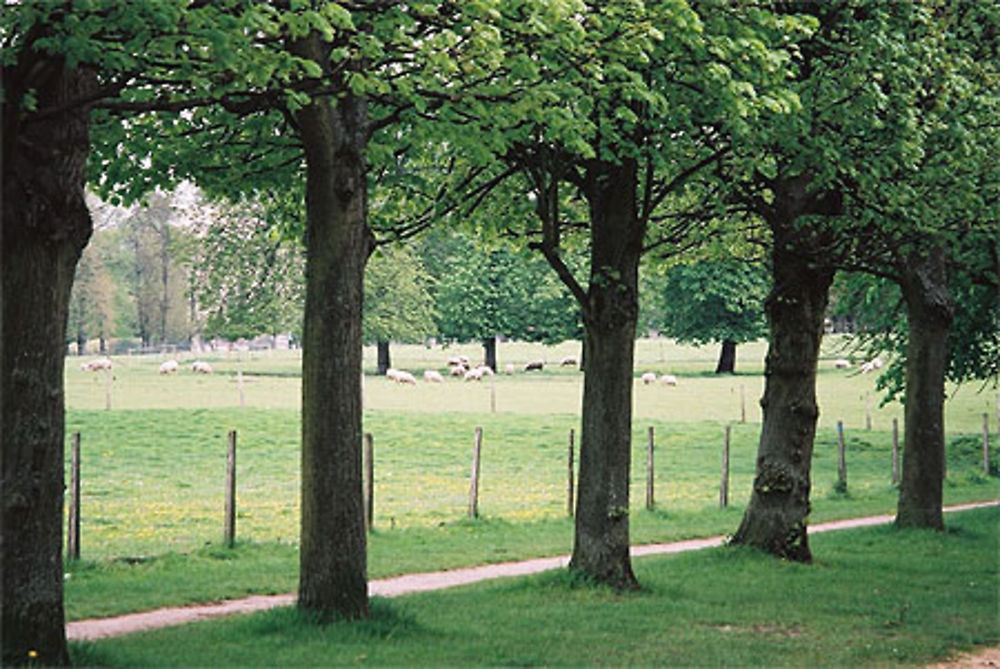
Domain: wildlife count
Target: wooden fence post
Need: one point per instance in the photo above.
(868, 411)
(743, 403)
(73, 533)
(649, 471)
(841, 458)
(474, 484)
(107, 389)
(569, 480)
(724, 483)
(369, 481)
(230, 532)
(895, 451)
(986, 444)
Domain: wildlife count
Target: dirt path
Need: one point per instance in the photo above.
(400, 585)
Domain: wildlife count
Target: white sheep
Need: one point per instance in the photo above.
(485, 369)
(169, 367)
(432, 376)
(96, 365)
(508, 368)
(535, 364)
(872, 365)
(668, 380)
(406, 377)
(648, 377)
(201, 367)
(841, 363)
(569, 360)
(458, 370)
(392, 374)
(474, 374)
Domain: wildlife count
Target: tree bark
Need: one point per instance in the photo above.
(45, 227)
(333, 562)
(929, 312)
(490, 352)
(384, 359)
(775, 519)
(727, 358)
(601, 539)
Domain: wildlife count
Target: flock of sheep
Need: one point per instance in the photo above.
(168, 367)
(459, 366)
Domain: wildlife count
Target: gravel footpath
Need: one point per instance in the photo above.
(101, 628)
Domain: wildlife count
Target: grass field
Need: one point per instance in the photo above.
(875, 597)
(153, 467)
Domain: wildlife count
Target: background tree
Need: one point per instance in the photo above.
(246, 273)
(92, 304)
(714, 301)
(398, 305)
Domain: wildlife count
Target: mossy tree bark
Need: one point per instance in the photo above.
(929, 312)
(775, 519)
(333, 562)
(45, 227)
(610, 314)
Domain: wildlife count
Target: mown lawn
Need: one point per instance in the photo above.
(873, 597)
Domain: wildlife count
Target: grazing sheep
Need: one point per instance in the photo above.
(841, 363)
(458, 361)
(392, 374)
(458, 370)
(508, 368)
(872, 365)
(201, 367)
(485, 369)
(568, 361)
(406, 377)
(668, 380)
(535, 364)
(474, 374)
(432, 376)
(96, 365)
(169, 367)
(648, 377)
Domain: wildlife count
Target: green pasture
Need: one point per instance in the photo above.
(153, 466)
(874, 597)
(271, 380)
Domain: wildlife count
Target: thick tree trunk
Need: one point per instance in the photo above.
(490, 352)
(601, 541)
(727, 358)
(775, 519)
(333, 561)
(384, 359)
(45, 226)
(929, 312)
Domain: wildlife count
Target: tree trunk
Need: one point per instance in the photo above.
(45, 227)
(727, 358)
(929, 312)
(384, 361)
(490, 352)
(601, 540)
(333, 578)
(775, 519)
(81, 341)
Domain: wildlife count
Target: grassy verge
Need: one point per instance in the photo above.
(874, 596)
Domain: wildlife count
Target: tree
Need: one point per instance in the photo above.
(398, 304)
(622, 106)
(714, 301)
(246, 273)
(486, 293)
(91, 308)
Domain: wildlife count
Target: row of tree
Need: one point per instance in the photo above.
(843, 135)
